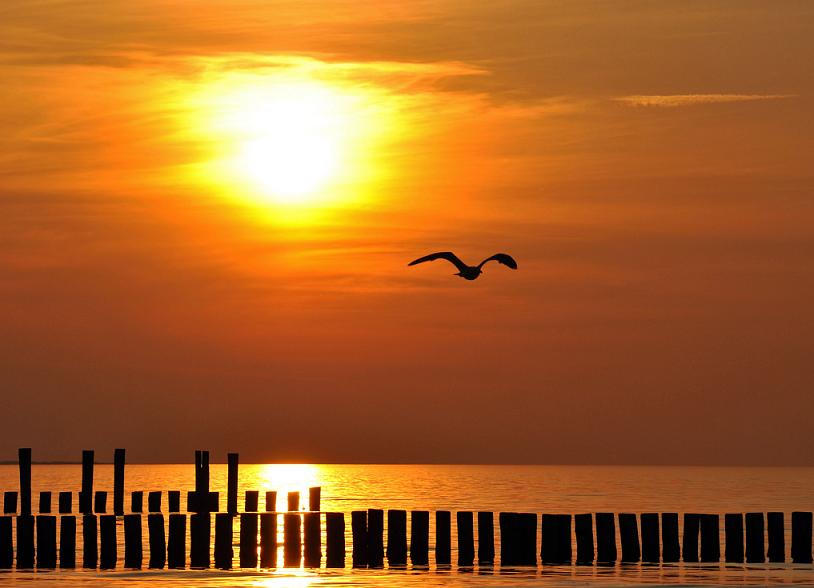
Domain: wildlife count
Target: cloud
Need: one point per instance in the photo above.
(674, 100)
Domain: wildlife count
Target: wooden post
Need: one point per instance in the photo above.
(6, 543)
(174, 501)
(118, 484)
(100, 502)
(375, 538)
(312, 531)
(733, 532)
(86, 495)
(293, 501)
(486, 538)
(231, 483)
(158, 541)
(443, 538)
(555, 547)
(518, 539)
(25, 542)
(465, 521)
(90, 549)
(248, 540)
(199, 533)
(292, 540)
(605, 538)
(358, 525)
(9, 503)
(45, 503)
(251, 498)
(689, 549)
(154, 501)
(335, 539)
(629, 535)
(651, 552)
(46, 541)
(133, 554)
(801, 526)
(177, 542)
(314, 496)
(396, 537)
(271, 501)
(24, 462)
(755, 544)
(710, 538)
(670, 546)
(584, 531)
(420, 537)
(65, 502)
(108, 549)
(201, 501)
(223, 540)
(137, 502)
(268, 540)
(67, 541)
(775, 525)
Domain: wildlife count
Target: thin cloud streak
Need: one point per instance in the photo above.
(675, 100)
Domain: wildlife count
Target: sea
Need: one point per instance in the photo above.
(538, 489)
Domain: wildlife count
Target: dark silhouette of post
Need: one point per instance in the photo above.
(223, 540)
(86, 495)
(358, 525)
(292, 540)
(108, 550)
(555, 546)
(486, 538)
(154, 501)
(9, 503)
(6, 543)
(268, 539)
(177, 541)
(651, 551)
(801, 527)
(629, 535)
(775, 525)
(670, 545)
(90, 549)
(45, 503)
(24, 462)
(231, 483)
(158, 541)
(584, 531)
(118, 482)
(293, 501)
(605, 538)
(133, 555)
(375, 538)
(314, 498)
(710, 538)
(733, 534)
(100, 502)
(312, 539)
(689, 548)
(199, 532)
(443, 538)
(518, 539)
(200, 500)
(25, 542)
(67, 541)
(137, 501)
(174, 501)
(251, 500)
(65, 502)
(271, 501)
(755, 544)
(46, 541)
(335, 540)
(396, 537)
(465, 521)
(248, 540)
(420, 537)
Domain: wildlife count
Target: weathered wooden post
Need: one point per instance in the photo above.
(90, 550)
(692, 523)
(755, 545)
(9, 503)
(137, 501)
(154, 501)
(312, 536)
(67, 541)
(358, 525)
(86, 495)
(486, 538)
(584, 531)
(25, 541)
(555, 547)
(335, 540)
(158, 541)
(271, 501)
(251, 500)
(733, 533)
(248, 540)
(670, 545)
(396, 537)
(465, 521)
(108, 550)
(605, 538)
(6, 543)
(801, 526)
(268, 539)
(710, 538)
(46, 541)
(65, 502)
(177, 541)
(629, 535)
(223, 540)
(314, 498)
(118, 483)
(231, 483)
(201, 500)
(293, 501)
(44, 506)
(518, 539)
(200, 525)
(292, 540)
(133, 554)
(375, 538)
(24, 462)
(651, 551)
(174, 501)
(775, 525)
(100, 502)
(443, 538)
(420, 537)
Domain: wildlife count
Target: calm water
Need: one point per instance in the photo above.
(517, 488)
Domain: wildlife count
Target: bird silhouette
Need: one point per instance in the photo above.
(468, 272)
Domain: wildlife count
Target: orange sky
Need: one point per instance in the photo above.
(206, 211)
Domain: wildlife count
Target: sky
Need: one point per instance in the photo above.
(207, 210)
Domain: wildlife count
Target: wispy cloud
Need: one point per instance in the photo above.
(675, 100)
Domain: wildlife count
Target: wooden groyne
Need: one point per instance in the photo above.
(204, 536)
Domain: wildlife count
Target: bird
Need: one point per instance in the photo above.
(468, 272)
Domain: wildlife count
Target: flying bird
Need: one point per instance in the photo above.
(468, 272)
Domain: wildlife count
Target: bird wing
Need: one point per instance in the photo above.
(448, 255)
(501, 258)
